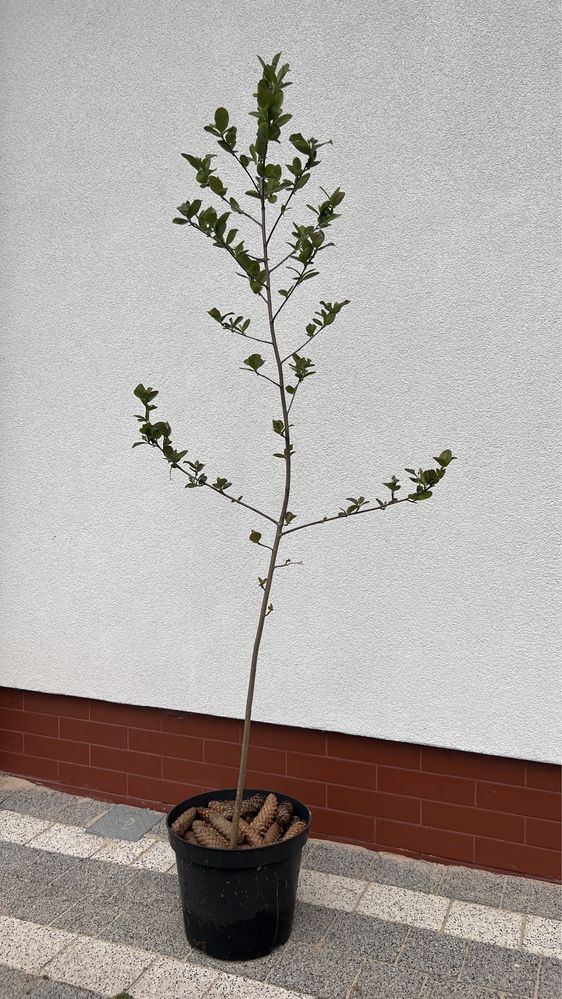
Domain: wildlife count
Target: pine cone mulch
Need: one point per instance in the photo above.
(264, 821)
(183, 822)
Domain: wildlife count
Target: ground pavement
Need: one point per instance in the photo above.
(89, 907)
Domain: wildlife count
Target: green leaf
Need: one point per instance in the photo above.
(289, 517)
(178, 221)
(254, 361)
(217, 186)
(215, 314)
(279, 427)
(424, 494)
(445, 458)
(221, 119)
(139, 443)
(255, 537)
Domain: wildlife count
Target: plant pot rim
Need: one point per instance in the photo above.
(252, 856)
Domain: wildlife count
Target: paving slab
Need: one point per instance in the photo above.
(469, 885)
(540, 898)
(507, 970)
(401, 905)
(229, 987)
(322, 972)
(433, 953)
(407, 873)
(145, 926)
(383, 981)
(330, 889)
(257, 970)
(366, 936)
(29, 951)
(478, 922)
(99, 966)
(337, 858)
(311, 922)
(69, 840)
(543, 936)
(39, 802)
(125, 822)
(438, 989)
(550, 978)
(166, 978)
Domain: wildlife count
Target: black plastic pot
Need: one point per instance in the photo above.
(238, 904)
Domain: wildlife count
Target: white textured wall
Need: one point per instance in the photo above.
(436, 624)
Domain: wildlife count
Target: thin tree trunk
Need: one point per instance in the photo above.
(276, 541)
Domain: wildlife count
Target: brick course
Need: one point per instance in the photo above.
(445, 805)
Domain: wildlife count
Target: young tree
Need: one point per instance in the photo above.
(271, 186)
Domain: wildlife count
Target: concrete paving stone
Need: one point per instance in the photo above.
(40, 905)
(433, 953)
(91, 916)
(470, 885)
(331, 890)
(40, 802)
(93, 877)
(478, 922)
(308, 850)
(158, 857)
(98, 965)
(311, 923)
(5, 793)
(82, 811)
(29, 948)
(158, 831)
(543, 936)
(147, 927)
(16, 828)
(366, 936)
(337, 858)
(15, 856)
(540, 898)
(400, 905)
(117, 851)
(229, 987)
(257, 970)
(70, 840)
(438, 989)
(124, 822)
(550, 978)
(506, 970)
(407, 873)
(15, 984)
(152, 887)
(166, 978)
(383, 981)
(316, 970)
(47, 989)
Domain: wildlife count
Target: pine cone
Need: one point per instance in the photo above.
(203, 813)
(250, 834)
(251, 805)
(284, 813)
(266, 814)
(225, 808)
(273, 833)
(207, 836)
(223, 826)
(183, 822)
(190, 837)
(295, 828)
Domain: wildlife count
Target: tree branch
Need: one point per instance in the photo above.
(231, 499)
(341, 516)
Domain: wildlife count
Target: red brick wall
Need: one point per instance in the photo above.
(465, 808)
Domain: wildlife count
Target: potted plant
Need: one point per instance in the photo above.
(238, 851)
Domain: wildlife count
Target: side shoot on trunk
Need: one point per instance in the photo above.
(270, 185)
